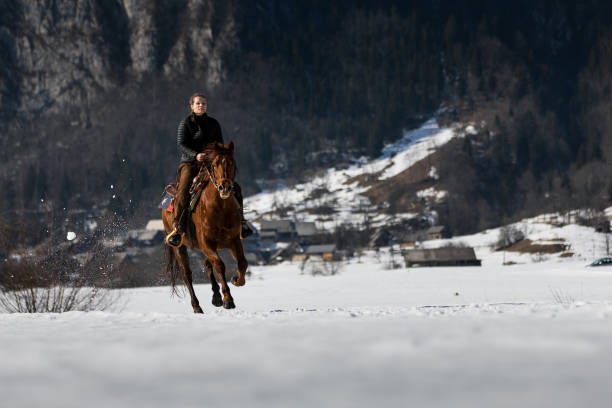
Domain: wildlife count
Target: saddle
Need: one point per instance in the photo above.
(171, 190)
(195, 191)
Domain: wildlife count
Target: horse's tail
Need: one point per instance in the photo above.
(171, 268)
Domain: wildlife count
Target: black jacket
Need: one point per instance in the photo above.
(196, 132)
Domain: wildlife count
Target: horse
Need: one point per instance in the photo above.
(217, 225)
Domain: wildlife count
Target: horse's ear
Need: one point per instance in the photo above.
(230, 146)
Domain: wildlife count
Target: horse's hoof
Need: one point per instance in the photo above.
(217, 301)
(197, 309)
(238, 282)
(229, 304)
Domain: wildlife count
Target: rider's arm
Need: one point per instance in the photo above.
(182, 135)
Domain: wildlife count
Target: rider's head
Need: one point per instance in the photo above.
(197, 103)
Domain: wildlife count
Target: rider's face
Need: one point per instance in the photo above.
(198, 106)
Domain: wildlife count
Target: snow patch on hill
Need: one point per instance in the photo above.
(335, 197)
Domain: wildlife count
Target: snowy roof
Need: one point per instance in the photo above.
(306, 228)
(156, 225)
(319, 249)
(277, 225)
(435, 229)
(148, 235)
(439, 254)
(143, 234)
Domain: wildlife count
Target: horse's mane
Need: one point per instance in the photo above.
(212, 150)
(215, 149)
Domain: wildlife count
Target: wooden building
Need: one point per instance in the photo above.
(449, 256)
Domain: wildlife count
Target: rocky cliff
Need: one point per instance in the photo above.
(58, 56)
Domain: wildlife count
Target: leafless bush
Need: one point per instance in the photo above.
(561, 297)
(508, 236)
(50, 280)
(455, 244)
(321, 268)
(590, 218)
(539, 257)
(28, 287)
(395, 260)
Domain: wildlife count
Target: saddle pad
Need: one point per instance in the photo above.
(166, 202)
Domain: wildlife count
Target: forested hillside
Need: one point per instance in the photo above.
(92, 92)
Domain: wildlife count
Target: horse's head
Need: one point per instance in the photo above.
(222, 167)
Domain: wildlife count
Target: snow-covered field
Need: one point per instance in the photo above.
(527, 335)
(536, 333)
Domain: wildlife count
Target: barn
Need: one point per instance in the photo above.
(449, 256)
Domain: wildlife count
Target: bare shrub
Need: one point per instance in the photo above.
(455, 244)
(395, 260)
(321, 268)
(27, 287)
(561, 297)
(56, 282)
(591, 218)
(508, 236)
(539, 257)
(322, 210)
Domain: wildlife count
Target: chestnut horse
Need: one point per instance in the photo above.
(217, 225)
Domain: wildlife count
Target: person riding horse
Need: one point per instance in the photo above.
(195, 132)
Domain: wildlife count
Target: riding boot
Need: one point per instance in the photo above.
(186, 173)
(245, 230)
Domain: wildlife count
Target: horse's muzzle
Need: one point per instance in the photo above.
(225, 189)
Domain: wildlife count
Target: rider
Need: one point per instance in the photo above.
(194, 133)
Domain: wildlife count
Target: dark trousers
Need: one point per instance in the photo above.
(186, 173)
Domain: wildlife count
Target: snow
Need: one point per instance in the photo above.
(535, 333)
(532, 334)
(339, 189)
(431, 193)
(583, 242)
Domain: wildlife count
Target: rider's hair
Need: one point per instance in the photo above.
(195, 95)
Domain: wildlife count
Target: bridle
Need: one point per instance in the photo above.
(207, 167)
(211, 176)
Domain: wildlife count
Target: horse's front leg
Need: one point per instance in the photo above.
(216, 299)
(213, 257)
(238, 254)
(183, 261)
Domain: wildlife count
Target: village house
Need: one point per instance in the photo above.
(277, 231)
(326, 252)
(305, 233)
(432, 233)
(448, 256)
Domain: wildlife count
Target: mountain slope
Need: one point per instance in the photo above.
(340, 196)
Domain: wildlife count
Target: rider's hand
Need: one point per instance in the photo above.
(200, 157)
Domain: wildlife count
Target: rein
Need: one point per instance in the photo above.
(211, 176)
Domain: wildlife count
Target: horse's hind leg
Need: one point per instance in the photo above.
(183, 260)
(238, 254)
(216, 299)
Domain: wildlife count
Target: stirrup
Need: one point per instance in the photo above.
(174, 238)
(245, 232)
